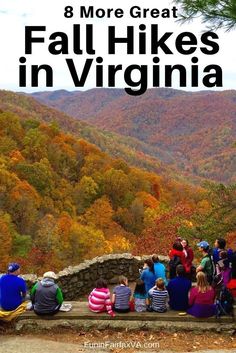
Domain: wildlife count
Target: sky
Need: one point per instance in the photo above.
(16, 14)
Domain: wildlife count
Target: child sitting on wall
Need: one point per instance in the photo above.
(140, 296)
(99, 298)
(121, 296)
(159, 297)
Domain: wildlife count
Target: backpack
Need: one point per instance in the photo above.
(218, 277)
(173, 263)
(224, 303)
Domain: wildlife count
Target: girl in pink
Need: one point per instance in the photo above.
(99, 298)
(202, 298)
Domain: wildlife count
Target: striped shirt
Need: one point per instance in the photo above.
(122, 298)
(99, 300)
(159, 299)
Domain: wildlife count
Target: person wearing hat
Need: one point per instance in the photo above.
(12, 288)
(46, 296)
(206, 264)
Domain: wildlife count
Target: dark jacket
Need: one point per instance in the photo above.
(46, 296)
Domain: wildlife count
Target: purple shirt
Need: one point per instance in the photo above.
(123, 294)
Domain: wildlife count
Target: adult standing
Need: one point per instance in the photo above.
(206, 264)
(220, 245)
(188, 252)
(177, 257)
(12, 288)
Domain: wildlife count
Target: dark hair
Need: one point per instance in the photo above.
(180, 270)
(101, 283)
(178, 246)
(155, 258)
(221, 242)
(150, 264)
(140, 287)
(187, 243)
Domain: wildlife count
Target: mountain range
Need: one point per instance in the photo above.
(190, 132)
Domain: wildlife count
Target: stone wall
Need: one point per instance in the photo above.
(79, 280)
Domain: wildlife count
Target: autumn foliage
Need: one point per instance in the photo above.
(63, 200)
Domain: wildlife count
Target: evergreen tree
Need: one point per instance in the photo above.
(219, 13)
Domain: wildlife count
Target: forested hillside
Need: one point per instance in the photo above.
(132, 150)
(63, 200)
(193, 132)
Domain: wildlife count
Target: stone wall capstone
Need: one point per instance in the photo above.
(79, 280)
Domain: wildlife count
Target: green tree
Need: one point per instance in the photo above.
(219, 13)
(220, 219)
(38, 174)
(35, 145)
(85, 193)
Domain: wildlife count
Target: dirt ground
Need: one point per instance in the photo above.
(117, 342)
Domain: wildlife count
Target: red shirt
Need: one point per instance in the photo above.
(179, 253)
(232, 287)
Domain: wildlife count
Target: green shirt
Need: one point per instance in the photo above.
(206, 264)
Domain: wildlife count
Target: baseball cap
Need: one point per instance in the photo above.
(203, 244)
(50, 274)
(12, 267)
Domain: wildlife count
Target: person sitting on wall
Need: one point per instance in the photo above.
(12, 288)
(46, 296)
(99, 298)
(159, 268)
(140, 296)
(178, 289)
(121, 296)
(159, 297)
(202, 298)
(148, 274)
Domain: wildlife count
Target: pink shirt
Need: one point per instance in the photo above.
(99, 300)
(197, 297)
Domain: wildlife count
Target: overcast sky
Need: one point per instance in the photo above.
(16, 14)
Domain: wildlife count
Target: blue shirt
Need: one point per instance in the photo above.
(11, 289)
(149, 279)
(178, 289)
(160, 271)
(216, 254)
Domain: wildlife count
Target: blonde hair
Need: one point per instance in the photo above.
(202, 283)
(160, 284)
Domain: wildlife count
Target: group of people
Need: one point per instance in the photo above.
(153, 291)
(45, 297)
